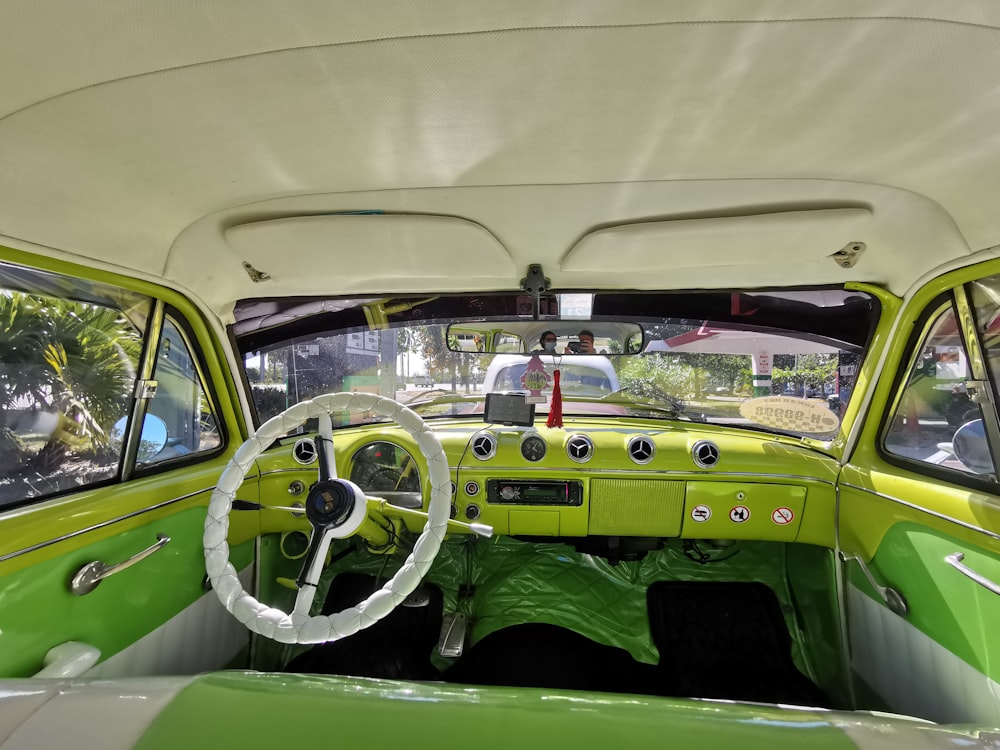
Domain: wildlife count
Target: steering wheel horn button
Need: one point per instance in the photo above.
(329, 503)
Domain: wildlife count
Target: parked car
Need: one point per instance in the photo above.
(423, 381)
(209, 213)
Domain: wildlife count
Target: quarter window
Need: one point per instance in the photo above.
(935, 422)
(180, 420)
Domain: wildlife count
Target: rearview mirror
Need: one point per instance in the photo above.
(546, 337)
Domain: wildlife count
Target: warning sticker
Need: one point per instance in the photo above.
(739, 514)
(701, 513)
(782, 516)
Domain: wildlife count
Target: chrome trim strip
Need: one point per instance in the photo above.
(644, 473)
(941, 516)
(647, 473)
(955, 561)
(95, 527)
(300, 470)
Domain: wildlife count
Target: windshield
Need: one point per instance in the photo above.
(726, 371)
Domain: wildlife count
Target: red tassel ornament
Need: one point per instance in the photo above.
(555, 408)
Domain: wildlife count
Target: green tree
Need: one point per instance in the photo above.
(74, 359)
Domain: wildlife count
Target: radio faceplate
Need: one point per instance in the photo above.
(525, 492)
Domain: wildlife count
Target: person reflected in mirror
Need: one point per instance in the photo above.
(547, 342)
(585, 345)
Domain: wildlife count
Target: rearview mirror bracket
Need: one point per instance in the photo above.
(536, 284)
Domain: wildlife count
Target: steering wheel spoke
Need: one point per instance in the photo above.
(315, 557)
(336, 508)
(324, 449)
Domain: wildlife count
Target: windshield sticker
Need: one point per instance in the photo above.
(782, 516)
(790, 413)
(701, 513)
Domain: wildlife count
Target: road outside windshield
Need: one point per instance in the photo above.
(686, 371)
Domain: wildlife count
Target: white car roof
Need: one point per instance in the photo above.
(353, 148)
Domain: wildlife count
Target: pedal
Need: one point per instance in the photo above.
(452, 640)
(419, 597)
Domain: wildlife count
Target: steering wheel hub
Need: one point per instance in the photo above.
(329, 503)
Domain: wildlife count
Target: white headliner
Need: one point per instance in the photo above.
(144, 135)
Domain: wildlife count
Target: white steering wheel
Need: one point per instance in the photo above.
(335, 508)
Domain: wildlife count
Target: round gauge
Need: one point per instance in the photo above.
(384, 467)
(533, 448)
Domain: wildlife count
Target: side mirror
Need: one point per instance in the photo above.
(151, 441)
(972, 448)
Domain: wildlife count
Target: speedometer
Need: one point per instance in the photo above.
(386, 470)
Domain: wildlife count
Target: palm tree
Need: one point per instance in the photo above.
(75, 359)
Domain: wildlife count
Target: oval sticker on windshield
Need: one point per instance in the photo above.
(790, 413)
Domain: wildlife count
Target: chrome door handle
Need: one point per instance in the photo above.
(955, 561)
(90, 575)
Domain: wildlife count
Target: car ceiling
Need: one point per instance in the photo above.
(264, 149)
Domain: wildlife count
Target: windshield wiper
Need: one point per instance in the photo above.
(652, 398)
(443, 397)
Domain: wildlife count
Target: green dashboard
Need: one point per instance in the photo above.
(632, 478)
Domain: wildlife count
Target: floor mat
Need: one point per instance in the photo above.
(548, 656)
(726, 640)
(397, 647)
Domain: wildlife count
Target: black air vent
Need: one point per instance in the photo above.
(304, 451)
(484, 445)
(641, 449)
(579, 448)
(705, 453)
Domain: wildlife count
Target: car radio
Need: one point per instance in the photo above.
(522, 492)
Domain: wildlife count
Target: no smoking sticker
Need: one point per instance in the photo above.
(782, 516)
(739, 514)
(701, 513)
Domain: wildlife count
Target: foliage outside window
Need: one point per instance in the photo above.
(67, 370)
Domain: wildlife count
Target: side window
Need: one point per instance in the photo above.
(67, 372)
(934, 421)
(180, 419)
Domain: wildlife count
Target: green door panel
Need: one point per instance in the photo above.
(38, 611)
(950, 508)
(947, 606)
(35, 533)
(264, 710)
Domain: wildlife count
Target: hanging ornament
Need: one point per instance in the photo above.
(555, 408)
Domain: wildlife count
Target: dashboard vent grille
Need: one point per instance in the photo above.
(641, 449)
(705, 453)
(484, 445)
(636, 507)
(579, 448)
(304, 451)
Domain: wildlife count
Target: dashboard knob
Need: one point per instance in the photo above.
(508, 493)
(472, 512)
